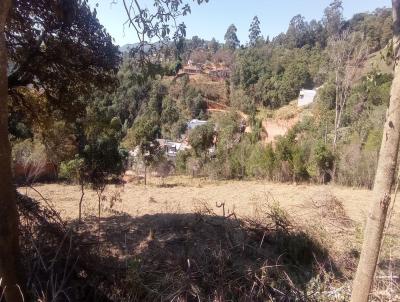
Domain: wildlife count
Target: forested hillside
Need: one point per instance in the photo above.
(348, 60)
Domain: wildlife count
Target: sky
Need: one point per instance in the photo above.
(211, 20)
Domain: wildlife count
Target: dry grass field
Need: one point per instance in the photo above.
(333, 216)
(185, 195)
(306, 204)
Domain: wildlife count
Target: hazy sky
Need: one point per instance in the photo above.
(212, 19)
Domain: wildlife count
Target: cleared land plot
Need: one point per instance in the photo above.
(337, 213)
(134, 215)
(184, 195)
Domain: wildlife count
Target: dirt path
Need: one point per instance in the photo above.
(272, 127)
(275, 128)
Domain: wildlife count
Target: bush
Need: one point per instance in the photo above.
(321, 163)
(300, 157)
(201, 138)
(182, 160)
(238, 159)
(71, 170)
(241, 101)
(357, 166)
(31, 162)
(293, 157)
(197, 107)
(261, 162)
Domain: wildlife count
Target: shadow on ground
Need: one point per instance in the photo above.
(203, 257)
(168, 257)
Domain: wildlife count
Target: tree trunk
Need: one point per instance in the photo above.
(9, 245)
(81, 201)
(145, 175)
(336, 112)
(385, 174)
(99, 209)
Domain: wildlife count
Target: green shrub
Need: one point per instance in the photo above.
(300, 157)
(241, 101)
(182, 160)
(197, 106)
(239, 157)
(261, 162)
(321, 163)
(71, 170)
(201, 138)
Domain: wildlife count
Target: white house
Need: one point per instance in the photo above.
(195, 123)
(306, 97)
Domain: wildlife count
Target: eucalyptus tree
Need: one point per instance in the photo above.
(384, 179)
(231, 40)
(346, 53)
(333, 18)
(254, 32)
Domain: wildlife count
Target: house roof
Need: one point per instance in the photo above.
(191, 67)
(195, 123)
(306, 97)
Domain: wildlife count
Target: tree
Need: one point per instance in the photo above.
(224, 56)
(201, 138)
(196, 43)
(132, 92)
(100, 154)
(197, 106)
(199, 56)
(346, 53)
(144, 134)
(9, 251)
(155, 24)
(298, 32)
(213, 45)
(250, 65)
(173, 124)
(317, 33)
(385, 174)
(231, 40)
(333, 18)
(61, 50)
(254, 32)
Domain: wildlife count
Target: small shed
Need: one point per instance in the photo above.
(306, 97)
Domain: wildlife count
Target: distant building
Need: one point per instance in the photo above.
(171, 148)
(306, 97)
(195, 123)
(192, 69)
(220, 73)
